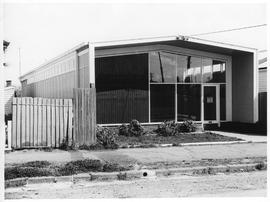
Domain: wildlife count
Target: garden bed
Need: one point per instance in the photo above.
(154, 139)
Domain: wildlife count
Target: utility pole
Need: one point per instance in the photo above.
(20, 69)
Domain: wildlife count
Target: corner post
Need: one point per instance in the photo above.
(91, 65)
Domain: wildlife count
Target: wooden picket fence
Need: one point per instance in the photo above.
(84, 116)
(40, 122)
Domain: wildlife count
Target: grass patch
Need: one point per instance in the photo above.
(44, 168)
(18, 172)
(36, 164)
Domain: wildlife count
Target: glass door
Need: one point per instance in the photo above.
(210, 103)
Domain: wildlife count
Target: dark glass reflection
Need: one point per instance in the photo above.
(122, 88)
(218, 72)
(162, 67)
(162, 102)
(189, 102)
(192, 72)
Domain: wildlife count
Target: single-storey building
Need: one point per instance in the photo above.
(155, 79)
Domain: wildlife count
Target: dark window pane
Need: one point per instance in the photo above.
(192, 73)
(219, 70)
(210, 103)
(189, 102)
(162, 102)
(162, 67)
(122, 88)
(222, 102)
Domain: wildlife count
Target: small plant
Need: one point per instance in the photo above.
(106, 137)
(133, 129)
(65, 145)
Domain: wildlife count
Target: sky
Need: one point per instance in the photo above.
(43, 31)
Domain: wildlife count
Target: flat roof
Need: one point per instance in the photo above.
(176, 40)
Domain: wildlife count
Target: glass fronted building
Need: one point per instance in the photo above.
(153, 80)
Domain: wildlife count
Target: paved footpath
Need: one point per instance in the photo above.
(145, 155)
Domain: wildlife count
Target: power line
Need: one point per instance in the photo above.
(229, 30)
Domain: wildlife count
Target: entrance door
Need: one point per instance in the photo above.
(210, 103)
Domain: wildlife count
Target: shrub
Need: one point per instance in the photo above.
(186, 126)
(36, 164)
(18, 172)
(167, 128)
(171, 128)
(106, 137)
(133, 129)
(123, 130)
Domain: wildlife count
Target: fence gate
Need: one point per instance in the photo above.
(84, 106)
(40, 122)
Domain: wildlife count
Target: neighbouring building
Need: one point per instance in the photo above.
(9, 92)
(156, 79)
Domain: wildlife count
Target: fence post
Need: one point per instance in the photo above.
(84, 108)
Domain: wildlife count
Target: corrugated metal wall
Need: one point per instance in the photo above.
(56, 80)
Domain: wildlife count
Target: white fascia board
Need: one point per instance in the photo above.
(133, 41)
(222, 45)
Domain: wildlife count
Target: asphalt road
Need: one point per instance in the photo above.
(234, 184)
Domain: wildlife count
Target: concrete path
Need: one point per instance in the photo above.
(247, 137)
(144, 155)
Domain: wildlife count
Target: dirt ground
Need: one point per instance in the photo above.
(232, 185)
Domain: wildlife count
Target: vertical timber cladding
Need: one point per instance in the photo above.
(84, 116)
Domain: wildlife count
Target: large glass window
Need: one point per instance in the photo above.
(182, 62)
(162, 102)
(207, 70)
(162, 67)
(192, 72)
(122, 88)
(188, 102)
